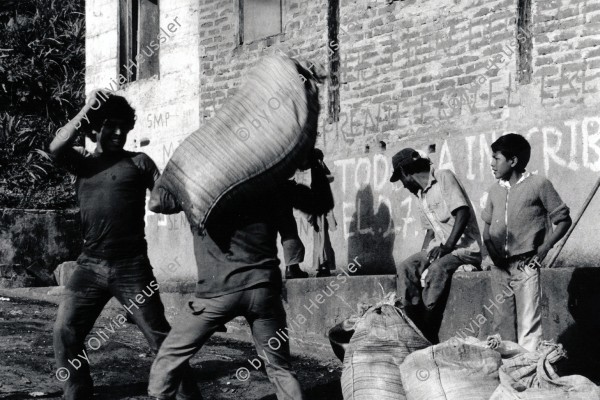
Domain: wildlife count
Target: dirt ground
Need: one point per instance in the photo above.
(120, 366)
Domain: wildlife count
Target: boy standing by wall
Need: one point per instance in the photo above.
(518, 236)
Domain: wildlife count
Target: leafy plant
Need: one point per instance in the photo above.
(42, 83)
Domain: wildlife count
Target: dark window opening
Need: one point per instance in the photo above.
(333, 52)
(259, 19)
(524, 42)
(138, 39)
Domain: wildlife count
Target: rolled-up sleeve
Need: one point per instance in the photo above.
(454, 197)
(147, 168)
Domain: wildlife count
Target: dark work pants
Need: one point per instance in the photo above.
(262, 308)
(425, 306)
(93, 283)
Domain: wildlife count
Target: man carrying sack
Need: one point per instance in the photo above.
(239, 275)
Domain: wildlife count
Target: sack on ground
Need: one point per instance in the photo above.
(506, 348)
(457, 369)
(382, 339)
(340, 335)
(253, 143)
(531, 376)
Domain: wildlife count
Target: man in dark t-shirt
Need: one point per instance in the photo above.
(111, 186)
(239, 275)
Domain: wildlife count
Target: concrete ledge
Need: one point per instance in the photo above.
(570, 309)
(313, 306)
(570, 313)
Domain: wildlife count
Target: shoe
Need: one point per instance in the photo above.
(294, 271)
(323, 272)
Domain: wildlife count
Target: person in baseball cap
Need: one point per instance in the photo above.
(452, 239)
(403, 158)
(409, 166)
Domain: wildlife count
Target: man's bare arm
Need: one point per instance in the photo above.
(67, 134)
(462, 216)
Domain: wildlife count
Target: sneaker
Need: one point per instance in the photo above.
(323, 272)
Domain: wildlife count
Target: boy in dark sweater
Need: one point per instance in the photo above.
(518, 236)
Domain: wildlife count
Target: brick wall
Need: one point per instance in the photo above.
(445, 73)
(413, 73)
(224, 61)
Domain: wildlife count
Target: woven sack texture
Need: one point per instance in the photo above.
(531, 376)
(383, 337)
(254, 142)
(456, 369)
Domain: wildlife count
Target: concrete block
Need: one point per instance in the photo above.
(63, 272)
(313, 306)
(570, 313)
(570, 309)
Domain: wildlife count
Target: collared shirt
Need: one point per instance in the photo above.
(520, 215)
(506, 184)
(442, 196)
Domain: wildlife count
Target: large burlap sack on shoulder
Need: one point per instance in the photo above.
(383, 337)
(531, 376)
(457, 369)
(254, 142)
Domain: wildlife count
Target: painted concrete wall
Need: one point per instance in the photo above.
(413, 73)
(48, 237)
(444, 73)
(167, 106)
